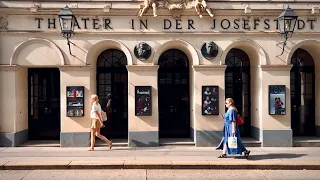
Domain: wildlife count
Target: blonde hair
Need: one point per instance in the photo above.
(232, 103)
(96, 99)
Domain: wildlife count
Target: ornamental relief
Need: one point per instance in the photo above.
(175, 6)
(3, 23)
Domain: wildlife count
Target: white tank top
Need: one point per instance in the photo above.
(93, 109)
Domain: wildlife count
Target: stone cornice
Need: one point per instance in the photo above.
(209, 67)
(9, 67)
(275, 67)
(75, 68)
(142, 67)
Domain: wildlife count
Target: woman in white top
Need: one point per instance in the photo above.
(96, 122)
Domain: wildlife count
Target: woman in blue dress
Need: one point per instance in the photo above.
(231, 129)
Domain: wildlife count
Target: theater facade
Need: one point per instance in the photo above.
(166, 71)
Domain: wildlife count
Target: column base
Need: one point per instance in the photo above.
(255, 132)
(208, 138)
(277, 138)
(143, 138)
(75, 139)
(13, 139)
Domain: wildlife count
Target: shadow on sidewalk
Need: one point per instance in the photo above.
(272, 156)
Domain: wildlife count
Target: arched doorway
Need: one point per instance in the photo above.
(173, 91)
(302, 88)
(112, 79)
(237, 86)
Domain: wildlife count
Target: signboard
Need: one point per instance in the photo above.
(210, 100)
(75, 101)
(143, 103)
(277, 99)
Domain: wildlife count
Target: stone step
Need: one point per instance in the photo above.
(306, 141)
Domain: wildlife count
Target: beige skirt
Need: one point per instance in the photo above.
(95, 123)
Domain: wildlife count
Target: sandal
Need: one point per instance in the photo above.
(246, 154)
(222, 156)
(110, 145)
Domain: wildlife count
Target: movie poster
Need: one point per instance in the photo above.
(210, 100)
(143, 104)
(277, 99)
(75, 101)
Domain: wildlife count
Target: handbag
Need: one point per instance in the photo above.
(104, 116)
(232, 142)
(239, 120)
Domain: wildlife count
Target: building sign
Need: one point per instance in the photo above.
(210, 100)
(143, 103)
(160, 24)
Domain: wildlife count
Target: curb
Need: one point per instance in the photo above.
(279, 165)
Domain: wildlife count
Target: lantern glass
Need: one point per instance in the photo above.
(287, 22)
(67, 21)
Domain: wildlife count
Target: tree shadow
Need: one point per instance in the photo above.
(272, 156)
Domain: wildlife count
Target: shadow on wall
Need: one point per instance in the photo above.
(272, 156)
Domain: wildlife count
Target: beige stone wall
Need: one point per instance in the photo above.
(143, 76)
(7, 99)
(21, 96)
(75, 76)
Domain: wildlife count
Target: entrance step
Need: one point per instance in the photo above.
(250, 142)
(115, 143)
(306, 141)
(176, 142)
(41, 143)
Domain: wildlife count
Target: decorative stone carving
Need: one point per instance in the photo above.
(142, 51)
(200, 5)
(146, 5)
(3, 23)
(209, 50)
(176, 7)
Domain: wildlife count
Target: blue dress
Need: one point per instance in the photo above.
(231, 115)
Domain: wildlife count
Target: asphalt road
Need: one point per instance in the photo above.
(158, 174)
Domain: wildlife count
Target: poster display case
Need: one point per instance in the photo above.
(210, 100)
(277, 99)
(75, 101)
(143, 101)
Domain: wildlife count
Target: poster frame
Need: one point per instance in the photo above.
(137, 99)
(203, 96)
(79, 98)
(271, 87)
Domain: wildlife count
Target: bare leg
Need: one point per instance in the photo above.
(143, 10)
(154, 6)
(93, 139)
(103, 138)
(209, 11)
(224, 148)
(198, 10)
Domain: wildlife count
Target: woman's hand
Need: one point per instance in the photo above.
(222, 116)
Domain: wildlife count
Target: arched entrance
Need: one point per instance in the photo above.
(174, 101)
(302, 88)
(112, 81)
(237, 86)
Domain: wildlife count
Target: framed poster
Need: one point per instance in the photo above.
(210, 100)
(75, 101)
(143, 103)
(277, 99)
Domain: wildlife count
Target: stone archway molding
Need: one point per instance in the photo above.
(103, 45)
(299, 45)
(245, 43)
(184, 46)
(30, 41)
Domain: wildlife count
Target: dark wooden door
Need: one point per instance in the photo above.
(302, 91)
(112, 86)
(237, 86)
(173, 92)
(44, 104)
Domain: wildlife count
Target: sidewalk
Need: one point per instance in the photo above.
(291, 158)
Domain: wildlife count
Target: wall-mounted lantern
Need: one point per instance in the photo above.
(287, 22)
(67, 21)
